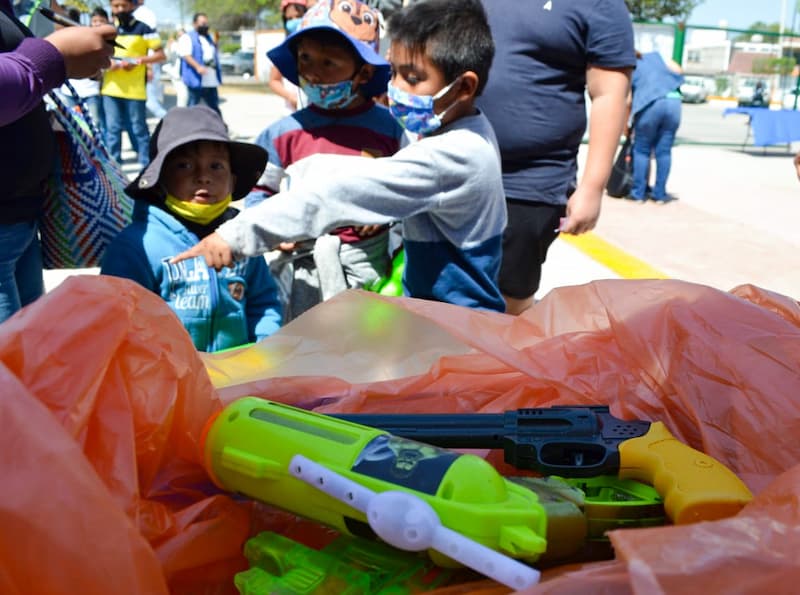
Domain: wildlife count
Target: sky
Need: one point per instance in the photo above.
(740, 14)
(168, 10)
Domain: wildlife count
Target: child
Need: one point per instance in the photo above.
(332, 56)
(446, 187)
(292, 12)
(182, 195)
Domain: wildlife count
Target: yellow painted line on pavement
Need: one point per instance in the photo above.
(623, 264)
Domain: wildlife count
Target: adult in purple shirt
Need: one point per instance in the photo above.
(29, 68)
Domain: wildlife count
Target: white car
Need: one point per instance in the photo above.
(753, 93)
(693, 90)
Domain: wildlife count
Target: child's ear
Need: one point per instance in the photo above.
(468, 87)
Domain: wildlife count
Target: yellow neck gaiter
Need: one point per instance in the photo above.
(195, 212)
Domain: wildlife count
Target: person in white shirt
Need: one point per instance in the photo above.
(200, 69)
(155, 90)
(88, 89)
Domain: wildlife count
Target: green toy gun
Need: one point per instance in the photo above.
(579, 513)
(346, 566)
(585, 441)
(455, 506)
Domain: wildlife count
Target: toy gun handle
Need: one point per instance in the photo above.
(694, 485)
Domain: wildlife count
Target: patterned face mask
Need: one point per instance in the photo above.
(332, 96)
(415, 112)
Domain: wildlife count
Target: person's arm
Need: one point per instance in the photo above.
(38, 66)
(797, 165)
(125, 257)
(276, 86)
(185, 53)
(608, 90)
(263, 306)
(343, 190)
(153, 57)
(199, 68)
(674, 66)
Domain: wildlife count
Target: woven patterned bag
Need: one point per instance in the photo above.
(85, 205)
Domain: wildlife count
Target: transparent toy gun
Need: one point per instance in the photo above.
(585, 441)
(579, 513)
(346, 566)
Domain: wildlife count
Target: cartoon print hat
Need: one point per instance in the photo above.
(357, 22)
(184, 125)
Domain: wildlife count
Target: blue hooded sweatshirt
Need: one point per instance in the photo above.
(236, 306)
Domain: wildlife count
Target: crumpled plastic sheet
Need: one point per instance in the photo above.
(104, 400)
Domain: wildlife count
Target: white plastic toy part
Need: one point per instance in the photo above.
(407, 522)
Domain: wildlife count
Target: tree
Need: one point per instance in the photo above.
(771, 65)
(229, 15)
(658, 10)
(762, 27)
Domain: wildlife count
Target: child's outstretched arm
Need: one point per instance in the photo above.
(213, 248)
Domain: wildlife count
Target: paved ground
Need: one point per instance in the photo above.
(735, 220)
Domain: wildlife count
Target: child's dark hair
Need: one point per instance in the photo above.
(300, 8)
(99, 11)
(328, 38)
(453, 34)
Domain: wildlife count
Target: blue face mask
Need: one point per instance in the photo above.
(331, 96)
(292, 25)
(415, 112)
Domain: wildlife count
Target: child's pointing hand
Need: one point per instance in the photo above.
(213, 248)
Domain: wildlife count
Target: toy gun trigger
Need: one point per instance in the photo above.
(407, 522)
(694, 485)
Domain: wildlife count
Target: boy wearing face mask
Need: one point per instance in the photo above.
(332, 57)
(123, 90)
(182, 195)
(200, 69)
(447, 187)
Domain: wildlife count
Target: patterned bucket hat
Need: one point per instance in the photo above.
(356, 22)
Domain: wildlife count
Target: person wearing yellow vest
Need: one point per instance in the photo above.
(124, 84)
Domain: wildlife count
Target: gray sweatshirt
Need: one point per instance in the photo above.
(446, 189)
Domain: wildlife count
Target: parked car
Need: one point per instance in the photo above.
(693, 90)
(753, 93)
(241, 62)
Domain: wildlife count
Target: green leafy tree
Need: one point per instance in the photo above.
(772, 65)
(762, 27)
(230, 15)
(658, 10)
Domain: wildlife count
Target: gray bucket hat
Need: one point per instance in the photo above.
(184, 125)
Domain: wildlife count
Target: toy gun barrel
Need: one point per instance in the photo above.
(567, 441)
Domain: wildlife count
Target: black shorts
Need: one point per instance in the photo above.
(529, 233)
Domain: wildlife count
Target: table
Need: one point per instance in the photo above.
(770, 127)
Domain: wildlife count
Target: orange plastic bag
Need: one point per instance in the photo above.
(106, 398)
